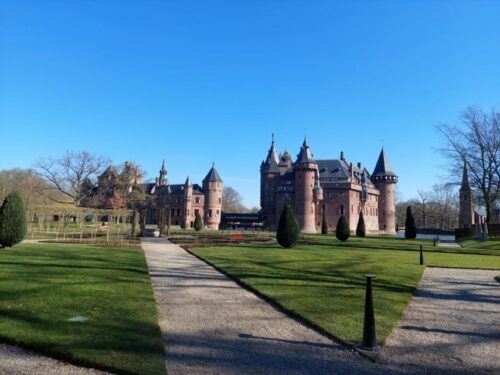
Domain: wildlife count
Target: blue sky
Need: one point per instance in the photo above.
(201, 81)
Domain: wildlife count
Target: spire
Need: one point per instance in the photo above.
(383, 169)
(188, 182)
(270, 165)
(465, 178)
(305, 155)
(213, 175)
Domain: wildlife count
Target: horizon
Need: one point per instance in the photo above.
(196, 83)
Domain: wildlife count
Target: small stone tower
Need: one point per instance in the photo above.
(466, 214)
(305, 180)
(187, 211)
(163, 180)
(269, 174)
(212, 186)
(384, 180)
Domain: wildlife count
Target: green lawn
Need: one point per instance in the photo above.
(44, 285)
(473, 243)
(324, 284)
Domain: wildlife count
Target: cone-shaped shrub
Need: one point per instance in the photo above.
(13, 226)
(288, 228)
(343, 231)
(324, 224)
(410, 227)
(361, 228)
(198, 223)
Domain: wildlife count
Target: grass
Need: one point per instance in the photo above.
(324, 285)
(473, 243)
(43, 285)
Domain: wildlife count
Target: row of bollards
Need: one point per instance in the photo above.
(369, 332)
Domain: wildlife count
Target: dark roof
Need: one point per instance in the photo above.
(383, 167)
(465, 178)
(270, 165)
(213, 176)
(333, 168)
(305, 155)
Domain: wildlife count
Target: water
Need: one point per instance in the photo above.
(442, 237)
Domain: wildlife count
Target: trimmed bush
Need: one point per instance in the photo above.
(13, 225)
(324, 225)
(343, 231)
(361, 228)
(198, 223)
(288, 228)
(410, 227)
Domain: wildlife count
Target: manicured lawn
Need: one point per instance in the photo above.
(474, 243)
(491, 247)
(325, 286)
(44, 285)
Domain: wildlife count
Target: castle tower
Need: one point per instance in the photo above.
(305, 179)
(212, 185)
(285, 162)
(269, 173)
(384, 180)
(163, 180)
(466, 214)
(186, 210)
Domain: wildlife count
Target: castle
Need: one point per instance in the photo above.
(177, 203)
(184, 201)
(333, 187)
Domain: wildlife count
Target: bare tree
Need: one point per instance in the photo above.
(475, 141)
(232, 201)
(67, 173)
(423, 206)
(445, 203)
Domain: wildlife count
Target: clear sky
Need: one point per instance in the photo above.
(201, 81)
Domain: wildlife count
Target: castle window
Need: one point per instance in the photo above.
(220, 200)
(217, 213)
(341, 209)
(196, 212)
(197, 200)
(172, 212)
(210, 212)
(178, 212)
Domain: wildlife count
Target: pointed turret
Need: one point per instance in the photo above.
(305, 155)
(188, 182)
(163, 180)
(270, 165)
(384, 179)
(383, 169)
(213, 175)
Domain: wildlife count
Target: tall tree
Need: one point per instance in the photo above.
(324, 224)
(343, 231)
(232, 201)
(13, 223)
(475, 140)
(361, 227)
(68, 173)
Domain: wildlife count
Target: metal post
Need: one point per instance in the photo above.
(421, 255)
(369, 334)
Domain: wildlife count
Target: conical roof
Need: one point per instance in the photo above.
(213, 175)
(188, 181)
(383, 167)
(305, 155)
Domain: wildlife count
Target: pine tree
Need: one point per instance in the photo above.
(198, 223)
(324, 224)
(343, 231)
(361, 228)
(13, 225)
(288, 228)
(410, 227)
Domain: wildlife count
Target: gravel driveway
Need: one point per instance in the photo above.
(213, 326)
(452, 325)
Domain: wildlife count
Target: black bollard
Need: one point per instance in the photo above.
(369, 334)
(421, 255)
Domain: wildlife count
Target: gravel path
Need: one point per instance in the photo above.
(17, 361)
(213, 326)
(452, 325)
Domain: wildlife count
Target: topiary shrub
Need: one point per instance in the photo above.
(343, 231)
(324, 225)
(410, 227)
(198, 223)
(288, 228)
(13, 225)
(361, 228)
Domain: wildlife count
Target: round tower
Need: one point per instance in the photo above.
(305, 169)
(212, 186)
(384, 180)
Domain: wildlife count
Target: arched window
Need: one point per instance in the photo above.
(341, 209)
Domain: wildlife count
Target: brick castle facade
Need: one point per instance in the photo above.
(334, 187)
